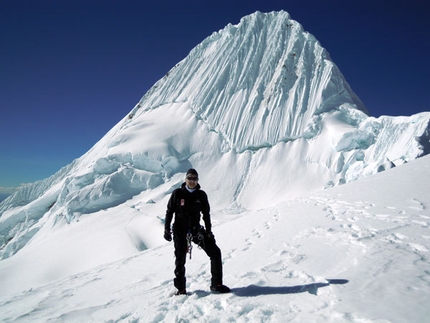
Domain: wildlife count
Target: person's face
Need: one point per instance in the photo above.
(191, 181)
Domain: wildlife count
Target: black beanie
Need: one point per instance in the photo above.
(192, 171)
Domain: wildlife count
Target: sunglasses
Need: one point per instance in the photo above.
(195, 179)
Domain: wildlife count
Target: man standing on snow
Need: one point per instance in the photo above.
(187, 203)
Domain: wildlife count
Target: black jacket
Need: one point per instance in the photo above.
(187, 208)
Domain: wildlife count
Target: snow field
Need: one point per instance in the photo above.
(276, 260)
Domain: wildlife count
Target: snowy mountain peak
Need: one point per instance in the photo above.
(258, 108)
(257, 83)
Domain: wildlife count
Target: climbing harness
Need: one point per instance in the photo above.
(199, 237)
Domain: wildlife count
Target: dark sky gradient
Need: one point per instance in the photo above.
(70, 70)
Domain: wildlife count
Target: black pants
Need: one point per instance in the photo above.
(208, 244)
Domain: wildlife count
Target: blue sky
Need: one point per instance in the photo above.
(70, 70)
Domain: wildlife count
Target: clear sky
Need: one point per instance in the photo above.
(71, 69)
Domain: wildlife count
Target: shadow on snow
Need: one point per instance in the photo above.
(254, 290)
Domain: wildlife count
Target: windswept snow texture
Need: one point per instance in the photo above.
(265, 116)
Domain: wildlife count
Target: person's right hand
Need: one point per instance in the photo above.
(167, 235)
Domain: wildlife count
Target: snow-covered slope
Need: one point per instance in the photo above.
(258, 108)
(372, 235)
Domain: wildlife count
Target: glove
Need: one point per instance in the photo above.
(167, 235)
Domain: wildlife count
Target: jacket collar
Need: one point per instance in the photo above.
(184, 188)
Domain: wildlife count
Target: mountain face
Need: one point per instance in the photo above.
(257, 108)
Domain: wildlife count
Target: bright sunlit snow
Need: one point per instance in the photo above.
(373, 232)
(268, 120)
